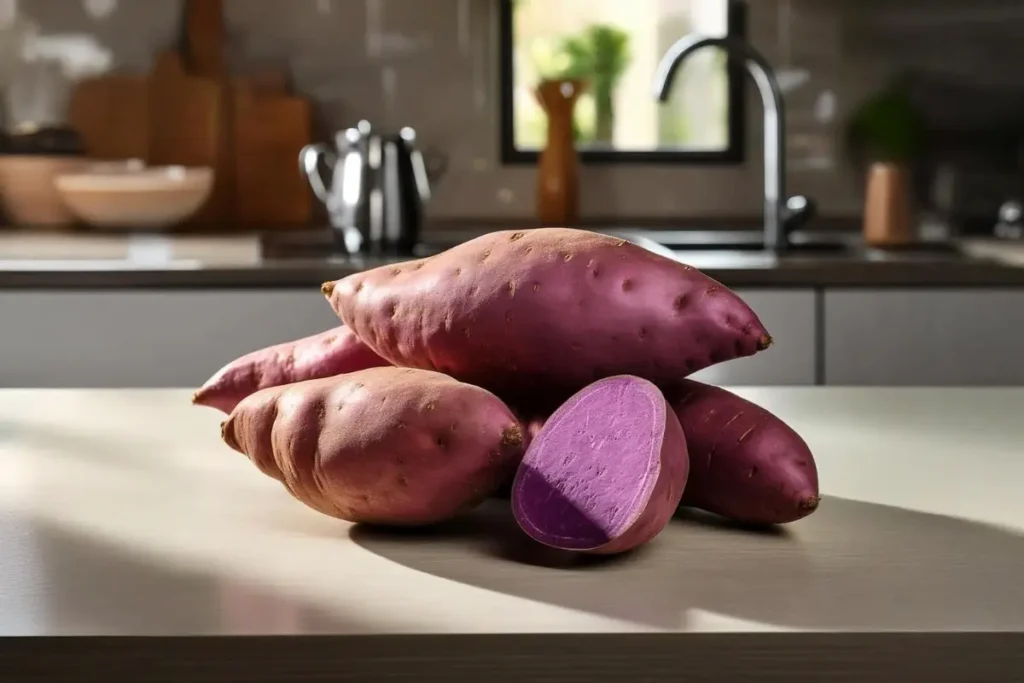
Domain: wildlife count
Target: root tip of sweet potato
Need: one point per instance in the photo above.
(764, 342)
(808, 505)
(512, 436)
(227, 433)
(327, 288)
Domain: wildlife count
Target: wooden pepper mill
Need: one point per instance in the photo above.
(557, 173)
(887, 213)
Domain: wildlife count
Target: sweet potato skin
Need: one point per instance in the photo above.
(332, 352)
(585, 460)
(544, 312)
(390, 446)
(746, 464)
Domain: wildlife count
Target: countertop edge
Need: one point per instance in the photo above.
(594, 658)
(982, 276)
(258, 262)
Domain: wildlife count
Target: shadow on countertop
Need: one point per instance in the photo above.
(852, 566)
(59, 582)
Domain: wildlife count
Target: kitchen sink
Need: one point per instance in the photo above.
(829, 248)
(733, 241)
(826, 247)
(801, 244)
(674, 244)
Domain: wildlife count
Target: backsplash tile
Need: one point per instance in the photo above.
(434, 65)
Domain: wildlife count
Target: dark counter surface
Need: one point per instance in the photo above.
(300, 260)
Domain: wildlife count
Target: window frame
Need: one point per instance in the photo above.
(733, 154)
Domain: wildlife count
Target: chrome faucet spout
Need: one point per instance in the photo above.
(774, 118)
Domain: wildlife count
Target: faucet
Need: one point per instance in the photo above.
(777, 221)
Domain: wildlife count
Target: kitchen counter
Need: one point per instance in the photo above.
(39, 262)
(134, 542)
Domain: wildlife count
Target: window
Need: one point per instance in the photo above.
(615, 47)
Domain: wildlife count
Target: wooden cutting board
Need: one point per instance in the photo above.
(111, 113)
(204, 56)
(269, 132)
(187, 119)
(190, 112)
(205, 38)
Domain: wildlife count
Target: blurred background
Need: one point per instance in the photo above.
(437, 66)
(184, 174)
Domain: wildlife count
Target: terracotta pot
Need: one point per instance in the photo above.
(557, 173)
(888, 219)
(30, 196)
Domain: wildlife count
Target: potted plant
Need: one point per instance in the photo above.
(886, 134)
(600, 56)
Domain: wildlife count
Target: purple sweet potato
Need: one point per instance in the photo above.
(746, 464)
(606, 472)
(389, 446)
(333, 352)
(546, 312)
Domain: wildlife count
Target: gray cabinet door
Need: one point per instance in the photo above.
(146, 338)
(178, 339)
(789, 316)
(924, 337)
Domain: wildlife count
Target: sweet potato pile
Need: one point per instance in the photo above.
(552, 361)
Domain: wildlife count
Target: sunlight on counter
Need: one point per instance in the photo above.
(31, 251)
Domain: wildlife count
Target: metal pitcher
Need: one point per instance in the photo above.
(377, 188)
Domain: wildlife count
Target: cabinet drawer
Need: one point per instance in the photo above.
(924, 337)
(145, 339)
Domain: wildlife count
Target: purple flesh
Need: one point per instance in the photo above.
(591, 471)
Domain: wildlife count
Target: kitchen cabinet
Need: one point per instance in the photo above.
(168, 338)
(144, 338)
(903, 337)
(790, 317)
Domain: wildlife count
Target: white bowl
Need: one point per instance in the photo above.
(130, 194)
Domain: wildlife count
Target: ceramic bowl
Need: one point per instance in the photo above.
(27, 189)
(131, 195)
